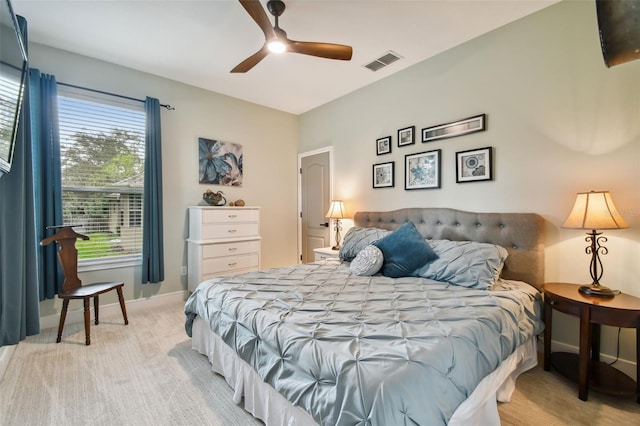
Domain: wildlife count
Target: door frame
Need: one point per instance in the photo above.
(302, 155)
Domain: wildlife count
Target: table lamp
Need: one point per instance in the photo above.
(336, 211)
(595, 210)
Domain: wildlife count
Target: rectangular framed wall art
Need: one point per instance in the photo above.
(422, 170)
(474, 165)
(383, 145)
(406, 136)
(383, 175)
(457, 128)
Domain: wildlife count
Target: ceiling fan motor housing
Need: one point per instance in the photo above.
(276, 7)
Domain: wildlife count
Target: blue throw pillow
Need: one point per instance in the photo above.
(404, 251)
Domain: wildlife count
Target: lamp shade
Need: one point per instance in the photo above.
(336, 210)
(594, 210)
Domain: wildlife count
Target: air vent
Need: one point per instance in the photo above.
(386, 59)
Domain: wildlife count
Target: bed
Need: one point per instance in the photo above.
(318, 344)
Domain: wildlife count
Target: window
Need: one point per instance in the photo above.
(135, 211)
(102, 162)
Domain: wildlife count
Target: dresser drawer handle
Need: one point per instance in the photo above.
(233, 248)
(231, 231)
(233, 264)
(232, 216)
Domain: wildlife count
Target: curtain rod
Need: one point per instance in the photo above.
(167, 106)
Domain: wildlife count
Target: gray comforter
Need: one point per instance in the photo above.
(354, 350)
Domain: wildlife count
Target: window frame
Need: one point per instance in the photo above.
(118, 261)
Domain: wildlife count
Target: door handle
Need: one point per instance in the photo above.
(326, 224)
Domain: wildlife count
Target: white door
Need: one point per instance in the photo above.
(315, 197)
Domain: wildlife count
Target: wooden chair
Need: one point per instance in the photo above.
(72, 287)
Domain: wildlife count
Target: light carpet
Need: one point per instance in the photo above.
(145, 373)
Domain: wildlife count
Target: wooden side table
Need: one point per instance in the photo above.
(586, 367)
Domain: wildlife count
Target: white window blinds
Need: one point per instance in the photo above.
(102, 162)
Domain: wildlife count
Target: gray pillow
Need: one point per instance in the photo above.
(367, 262)
(465, 263)
(358, 238)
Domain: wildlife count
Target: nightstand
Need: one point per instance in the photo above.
(324, 253)
(586, 367)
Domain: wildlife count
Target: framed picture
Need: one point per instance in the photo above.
(422, 170)
(406, 136)
(220, 163)
(457, 128)
(474, 165)
(383, 175)
(383, 145)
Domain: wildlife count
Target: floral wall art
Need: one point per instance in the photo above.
(220, 162)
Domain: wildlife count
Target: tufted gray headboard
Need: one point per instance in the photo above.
(522, 234)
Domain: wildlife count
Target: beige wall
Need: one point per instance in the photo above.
(269, 139)
(560, 123)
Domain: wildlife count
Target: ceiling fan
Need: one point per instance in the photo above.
(276, 39)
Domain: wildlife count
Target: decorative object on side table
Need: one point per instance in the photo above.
(595, 210)
(422, 170)
(474, 165)
(336, 211)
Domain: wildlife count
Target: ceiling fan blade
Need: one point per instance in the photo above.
(322, 50)
(255, 10)
(251, 61)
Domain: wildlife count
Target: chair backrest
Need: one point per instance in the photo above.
(67, 254)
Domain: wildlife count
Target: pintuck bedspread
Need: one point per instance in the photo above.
(374, 350)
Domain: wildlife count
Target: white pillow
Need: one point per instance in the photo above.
(367, 262)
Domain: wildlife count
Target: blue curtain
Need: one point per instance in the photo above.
(152, 238)
(45, 139)
(19, 307)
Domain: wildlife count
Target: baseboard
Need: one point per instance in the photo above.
(624, 365)
(77, 316)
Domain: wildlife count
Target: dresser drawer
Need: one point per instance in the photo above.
(229, 216)
(230, 249)
(218, 265)
(228, 230)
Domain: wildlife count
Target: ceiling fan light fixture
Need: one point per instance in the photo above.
(276, 46)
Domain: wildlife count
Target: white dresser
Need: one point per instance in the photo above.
(222, 241)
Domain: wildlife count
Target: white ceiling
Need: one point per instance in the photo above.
(199, 42)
